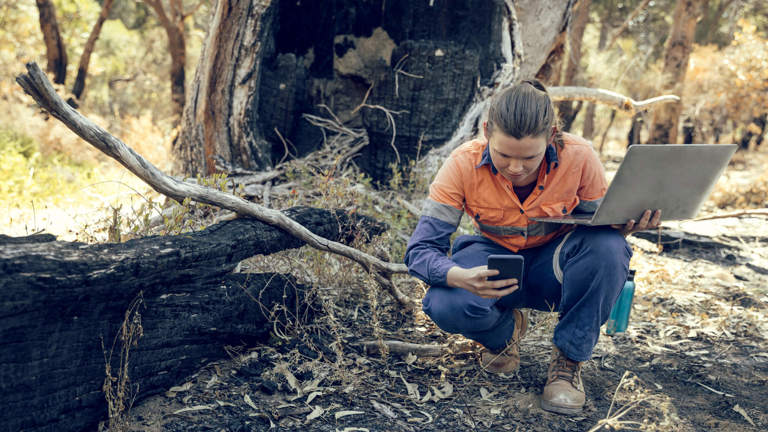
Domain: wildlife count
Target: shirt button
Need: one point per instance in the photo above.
(565, 211)
(521, 211)
(541, 187)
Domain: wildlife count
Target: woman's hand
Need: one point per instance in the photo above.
(646, 222)
(475, 280)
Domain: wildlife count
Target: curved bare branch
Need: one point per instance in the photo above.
(36, 84)
(607, 97)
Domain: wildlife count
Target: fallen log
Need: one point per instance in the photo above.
(63, 304)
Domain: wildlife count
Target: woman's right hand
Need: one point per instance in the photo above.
(475, 280)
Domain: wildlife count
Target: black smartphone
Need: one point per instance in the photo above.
(509, 267)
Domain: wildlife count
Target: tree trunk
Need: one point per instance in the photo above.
(172, 20)
(633, 136)
(756, 129)
(677, 49)
(178, 49)
(85, 58)
(356, 63)
(54, 44)
(568, 110)
(588, 130)
(62, 300)
(224, 97)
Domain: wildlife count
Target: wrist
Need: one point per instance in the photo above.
(453, 277)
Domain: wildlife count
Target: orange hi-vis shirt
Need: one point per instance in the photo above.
(570, 179)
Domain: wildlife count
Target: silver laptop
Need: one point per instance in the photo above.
(675, 178)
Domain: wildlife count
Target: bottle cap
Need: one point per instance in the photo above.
(631, 274)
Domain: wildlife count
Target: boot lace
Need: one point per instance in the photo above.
(565, 369)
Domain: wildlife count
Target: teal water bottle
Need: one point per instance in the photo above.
(619, 318)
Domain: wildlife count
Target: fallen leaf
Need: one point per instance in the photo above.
(222, 403)
(444, 392)
(413, 389)
(429, 417)
(200, 408)
(312, 385)
(292, 381)
(483, 393)
(249, 401)
(178, 389)
(410, 358)
(384, 409)
(316, 412)
(744, 414)
(340, 414)
(313, 395)
(211, 382)
(426, 397)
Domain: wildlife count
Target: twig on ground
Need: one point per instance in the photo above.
(715, 391)
(613, 421)
(752, 212)
(399, 347)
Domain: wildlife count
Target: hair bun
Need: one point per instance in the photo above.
(538, 85)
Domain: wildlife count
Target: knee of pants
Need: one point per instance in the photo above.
(608, 247)
(455, 310)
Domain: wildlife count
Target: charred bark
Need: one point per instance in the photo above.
(54, 44)
(61, 300)
(250, 93)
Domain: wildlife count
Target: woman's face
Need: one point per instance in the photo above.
(518, 160)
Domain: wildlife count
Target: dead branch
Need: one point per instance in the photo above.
(399, 347)
(607, 97)
(36, 84)
(754, 212)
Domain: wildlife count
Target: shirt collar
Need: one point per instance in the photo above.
(550, 155)
(486, 159)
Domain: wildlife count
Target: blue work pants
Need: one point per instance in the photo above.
(579, 275)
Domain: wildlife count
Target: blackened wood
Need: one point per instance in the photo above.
(61, 299)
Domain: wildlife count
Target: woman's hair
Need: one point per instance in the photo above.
(524, 110)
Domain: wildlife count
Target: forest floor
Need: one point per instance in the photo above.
(695, 356)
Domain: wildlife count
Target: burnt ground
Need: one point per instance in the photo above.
(694, 358)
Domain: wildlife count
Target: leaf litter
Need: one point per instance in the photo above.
(695, 357)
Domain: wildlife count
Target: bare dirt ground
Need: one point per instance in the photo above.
(694, 358)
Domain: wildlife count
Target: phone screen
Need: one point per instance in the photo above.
(509, 267)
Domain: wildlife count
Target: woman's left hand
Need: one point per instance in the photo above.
(646, 222)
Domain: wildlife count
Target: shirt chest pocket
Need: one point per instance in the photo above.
(560, 207)
(488, 215)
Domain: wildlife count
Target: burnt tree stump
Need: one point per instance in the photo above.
(61, 300)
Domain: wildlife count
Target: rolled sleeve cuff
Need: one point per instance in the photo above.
(438, 273)
(426, 253)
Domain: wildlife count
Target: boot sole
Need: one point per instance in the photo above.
(546, 406)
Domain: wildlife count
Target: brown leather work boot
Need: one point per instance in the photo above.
(564, 392)
(506, 360)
